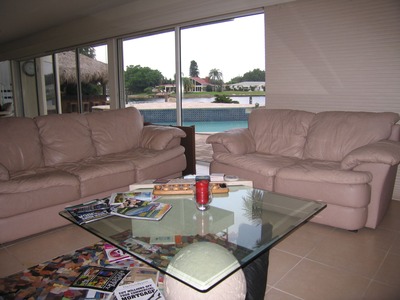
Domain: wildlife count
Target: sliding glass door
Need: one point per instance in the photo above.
(149, 76)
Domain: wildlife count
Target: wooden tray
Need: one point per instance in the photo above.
(173, 189)
(186, 189)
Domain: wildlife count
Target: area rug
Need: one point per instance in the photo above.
(51, 279)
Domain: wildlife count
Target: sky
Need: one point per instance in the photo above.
(234, 47)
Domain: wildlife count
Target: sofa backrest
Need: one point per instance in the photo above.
(20, 147)
(280, 131)
(116, 130)
(65, 138)
(332, 134)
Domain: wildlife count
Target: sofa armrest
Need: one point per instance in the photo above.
(385, 151)
(4, 174)
(161, 137)
(236, 141)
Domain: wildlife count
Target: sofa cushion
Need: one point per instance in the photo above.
(332, 135)
(143, 158)
(65, 138)
(20, 147)
(264, 164)
(115, 130)
(323, 171)
(4, 174)
(36, 189)
(98, 174)
(280, 131)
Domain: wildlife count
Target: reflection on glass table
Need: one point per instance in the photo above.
(241, 226)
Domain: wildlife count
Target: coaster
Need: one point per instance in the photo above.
(231, 178)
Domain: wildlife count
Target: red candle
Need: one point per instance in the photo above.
(202, 192)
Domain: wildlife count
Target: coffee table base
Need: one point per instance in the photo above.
(256, 274)
(232, 288)
(248, 283)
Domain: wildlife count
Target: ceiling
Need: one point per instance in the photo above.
(21, 18)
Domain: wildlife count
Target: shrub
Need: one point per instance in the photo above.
(223, 99)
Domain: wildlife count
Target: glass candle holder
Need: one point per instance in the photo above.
(202, 195)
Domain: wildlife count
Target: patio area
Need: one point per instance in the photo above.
(203, 150)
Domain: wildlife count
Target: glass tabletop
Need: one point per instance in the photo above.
(202, 248)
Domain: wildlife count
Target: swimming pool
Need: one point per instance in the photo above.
(214, 126)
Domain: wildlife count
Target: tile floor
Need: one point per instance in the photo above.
(315, 262)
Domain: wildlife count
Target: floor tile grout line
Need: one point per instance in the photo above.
(290, 270)
(282, 291)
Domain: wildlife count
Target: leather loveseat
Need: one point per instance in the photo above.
(346, 159)
(49, 162)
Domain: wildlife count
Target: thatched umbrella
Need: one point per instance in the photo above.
(91, 70)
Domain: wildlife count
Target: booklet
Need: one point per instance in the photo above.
(90, 211)
(130, 205)
(100, 278)
(141, 290)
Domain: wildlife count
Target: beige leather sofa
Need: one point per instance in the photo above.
(346, 159)
(49, 162)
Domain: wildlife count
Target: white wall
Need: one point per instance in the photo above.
(334, 55)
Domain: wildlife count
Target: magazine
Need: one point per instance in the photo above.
(141, 290)
(154, 211)
(141, 273)
(119, 198)
(90, 211)
(100, 278)
(115, 254)
(127, 205)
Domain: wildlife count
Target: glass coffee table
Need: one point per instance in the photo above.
(237, 230)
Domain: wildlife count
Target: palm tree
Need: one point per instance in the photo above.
(216, 77)
(187, 84)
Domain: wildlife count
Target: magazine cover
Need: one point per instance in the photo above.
(119, 198)
(128, 206)
(90, 211)
(100, 278)
(115, 254)
(141, 290)
(156, 213)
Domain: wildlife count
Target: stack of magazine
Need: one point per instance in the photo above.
(110, 283)
(136, 205)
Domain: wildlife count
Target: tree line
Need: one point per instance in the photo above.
(140, 79)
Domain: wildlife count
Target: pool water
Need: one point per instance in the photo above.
(214, 126)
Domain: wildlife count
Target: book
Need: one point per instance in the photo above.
(141, 290)
(100, 278)
(89, 211)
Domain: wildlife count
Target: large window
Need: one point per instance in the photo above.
(86, 90)
(173, 77)
(6, 94)
(219, 62)
(223, 71)
(149, 76)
